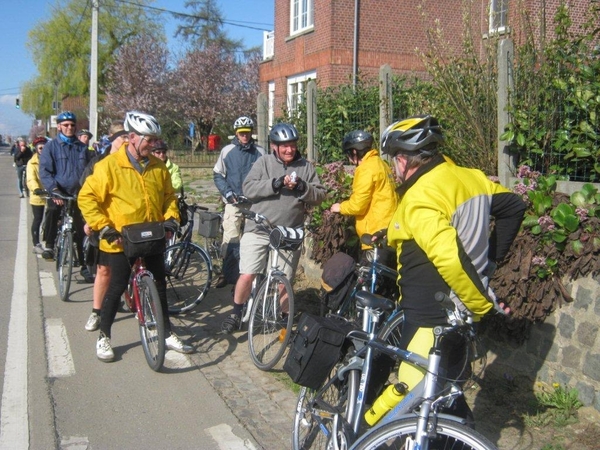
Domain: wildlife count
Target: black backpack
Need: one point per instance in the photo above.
(337, 280)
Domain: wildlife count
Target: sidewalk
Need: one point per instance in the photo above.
(264, 402)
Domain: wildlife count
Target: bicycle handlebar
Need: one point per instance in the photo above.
(53, 194)
(377, 239)
(258, 218)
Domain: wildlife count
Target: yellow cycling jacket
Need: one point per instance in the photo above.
(116, 194)
(33, 180)
(441, 231)
(373, 199)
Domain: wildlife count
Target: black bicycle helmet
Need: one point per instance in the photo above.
(283, 132)
(358, 140)
(418, 134)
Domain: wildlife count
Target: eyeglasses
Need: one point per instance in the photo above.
(160, 152)
(151, 140)
(40, 147)
(67, 125)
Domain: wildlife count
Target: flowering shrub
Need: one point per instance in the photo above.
(560, 238)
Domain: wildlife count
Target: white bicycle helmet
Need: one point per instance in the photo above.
(142, 124)
(243, 124)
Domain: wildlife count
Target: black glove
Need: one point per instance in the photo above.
(300, 185)
(278, 183)
(231, 197)
(171, 225)
(39, 192)
(110, 234)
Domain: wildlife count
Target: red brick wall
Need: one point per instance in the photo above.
(390, 32)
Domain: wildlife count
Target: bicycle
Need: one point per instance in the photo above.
(141, 297)
(270, 309)
(188, 268)
(332, 416)
(65, 250)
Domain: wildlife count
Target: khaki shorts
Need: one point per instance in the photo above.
(254, 250)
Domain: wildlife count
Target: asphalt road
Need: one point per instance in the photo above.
(57, 394)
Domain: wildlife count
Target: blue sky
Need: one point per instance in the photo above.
(20, 16)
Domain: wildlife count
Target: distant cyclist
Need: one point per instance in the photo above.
(21, 157)
(37, 203)
(234, 163)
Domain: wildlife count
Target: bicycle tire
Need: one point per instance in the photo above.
(391, 332)
(188, 276)
(313, 420)
(151, 323)
(64, 263)
(213, 248)
(448, 434)
(268, 330)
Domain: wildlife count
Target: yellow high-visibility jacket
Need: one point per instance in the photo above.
(373, 200)
(116, 194)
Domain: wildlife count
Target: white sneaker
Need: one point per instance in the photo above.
(104, 351)
(38, 249)
(93, 322)
(174, 343)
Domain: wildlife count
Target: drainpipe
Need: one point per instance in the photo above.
(355, 52)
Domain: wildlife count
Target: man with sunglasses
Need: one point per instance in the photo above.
(127, 187)
(61, 165)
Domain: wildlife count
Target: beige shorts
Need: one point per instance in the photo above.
(254, 250)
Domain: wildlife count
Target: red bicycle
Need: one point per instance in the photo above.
(142, 299)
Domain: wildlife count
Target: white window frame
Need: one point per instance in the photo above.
(498, 16)
(296, 85)
(301, 16)
(271, 103)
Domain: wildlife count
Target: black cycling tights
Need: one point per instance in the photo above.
(38, 215)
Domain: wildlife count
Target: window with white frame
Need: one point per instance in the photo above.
(301, 16)
(498, 16)
(271, 102)
(296, 85)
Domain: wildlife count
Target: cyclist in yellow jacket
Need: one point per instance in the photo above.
(441, 232)
(373, 200)
(127, 187)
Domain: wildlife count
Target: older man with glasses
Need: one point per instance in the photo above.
(61, 165)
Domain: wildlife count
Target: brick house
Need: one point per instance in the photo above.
(316, 39)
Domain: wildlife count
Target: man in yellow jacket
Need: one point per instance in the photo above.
(373, 200)
(127, 187)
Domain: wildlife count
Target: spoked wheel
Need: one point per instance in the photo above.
(151, 322)
(188, 276)
(64, 263)
(391, 334)
(271, 320)
(448, 434)
(315, 412)
(214, 251)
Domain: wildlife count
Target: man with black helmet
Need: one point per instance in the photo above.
(441, 232)
(373, 199)
(280, 186)
(86, 136)
(234, 163)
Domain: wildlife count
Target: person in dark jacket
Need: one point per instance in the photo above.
(62, 163)
(21, 157)
(230, 171)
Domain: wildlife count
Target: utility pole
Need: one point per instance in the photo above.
(94, 72)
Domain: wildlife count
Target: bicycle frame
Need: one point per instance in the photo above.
(138, 270)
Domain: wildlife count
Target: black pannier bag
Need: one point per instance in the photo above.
(143, 239)
(337, 280)
(315, 349)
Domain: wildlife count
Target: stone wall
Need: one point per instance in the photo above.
(564, 349)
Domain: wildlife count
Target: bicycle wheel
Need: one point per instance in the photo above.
(271, 320)
(151, 323)
(64, 262)
(448, 434)
(213, 247)
(188, 276)
(315, 410)
(392, 329)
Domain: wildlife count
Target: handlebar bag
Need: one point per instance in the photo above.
(143, 239)
(315, 349)
(286, 238)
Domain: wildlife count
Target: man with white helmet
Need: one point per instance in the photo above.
(230, 171)
(127, 187)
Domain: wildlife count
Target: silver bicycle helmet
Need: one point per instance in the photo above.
(243, 124)
(419, 134)
(283, 132)
(142, 124)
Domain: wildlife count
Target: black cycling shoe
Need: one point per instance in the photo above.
(231, 323)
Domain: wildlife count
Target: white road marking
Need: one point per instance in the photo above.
(60, 361)
(14, 421)
(74, 443)
(226, 440)
(47, 284)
